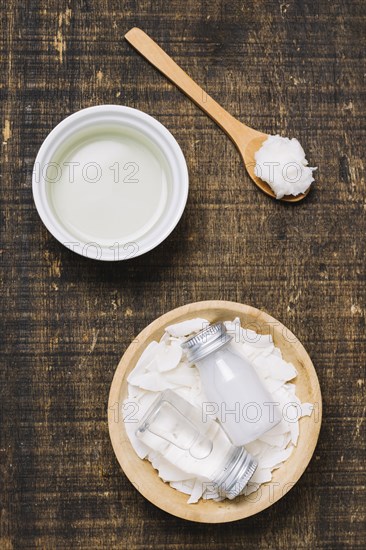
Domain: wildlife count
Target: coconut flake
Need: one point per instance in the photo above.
(168, 357)
(132, 414)
(186, 328)
(262, 475)
(273, 458)
(279, 441)
(153, 381)
(134, 392)
(170, 472)
(306, 409)
(182, 376)
(197, 492)
(146, 357)
(184, 486)
(251, 488)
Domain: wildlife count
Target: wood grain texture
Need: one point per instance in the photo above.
(66, 320)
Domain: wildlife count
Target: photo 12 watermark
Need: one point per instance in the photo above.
(88, 172)
(95, 251)
(130, 411)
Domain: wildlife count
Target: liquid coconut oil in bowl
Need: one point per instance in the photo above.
(110, 182)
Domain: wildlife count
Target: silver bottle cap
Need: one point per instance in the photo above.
(237, 474)
(205, 342)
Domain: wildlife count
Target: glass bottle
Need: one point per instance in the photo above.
(236, 395)
(174, 428)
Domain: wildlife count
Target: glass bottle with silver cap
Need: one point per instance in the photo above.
(174, 428)
(236, 396)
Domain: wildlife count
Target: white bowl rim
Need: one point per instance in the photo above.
(158, 134)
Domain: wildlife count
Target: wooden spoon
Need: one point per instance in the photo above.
(247, 140)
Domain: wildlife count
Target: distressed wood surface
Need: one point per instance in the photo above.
(294, 67)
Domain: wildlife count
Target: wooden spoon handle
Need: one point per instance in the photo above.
(161, 60)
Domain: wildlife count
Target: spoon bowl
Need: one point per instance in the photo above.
(247, 140)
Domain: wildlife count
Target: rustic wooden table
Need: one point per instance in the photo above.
(294, 67)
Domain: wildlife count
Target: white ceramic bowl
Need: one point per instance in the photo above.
(159, 140)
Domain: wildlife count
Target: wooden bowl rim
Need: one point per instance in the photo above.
(141, 473)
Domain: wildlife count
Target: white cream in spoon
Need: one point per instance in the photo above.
(282, 164)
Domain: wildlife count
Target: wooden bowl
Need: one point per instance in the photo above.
(142, 474)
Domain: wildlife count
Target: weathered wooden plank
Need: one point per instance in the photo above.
(297, 68)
